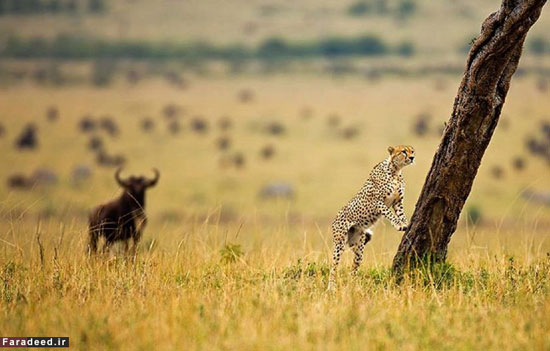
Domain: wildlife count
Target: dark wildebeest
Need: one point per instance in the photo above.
(123, 218)
(28, 138)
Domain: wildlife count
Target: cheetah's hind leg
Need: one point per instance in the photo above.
(339, 246)
(363, 237)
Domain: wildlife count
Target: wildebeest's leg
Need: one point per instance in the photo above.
(107, 246)
(140, 222)
(135, 242)
(93, 237)
(110, 235)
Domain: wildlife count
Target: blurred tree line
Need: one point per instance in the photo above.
(72, 47)
(401, 9)
(24, 7)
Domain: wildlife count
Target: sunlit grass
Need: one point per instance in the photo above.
(220, 268)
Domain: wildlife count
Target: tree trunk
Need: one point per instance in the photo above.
(492, 61)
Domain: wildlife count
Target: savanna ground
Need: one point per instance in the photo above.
(190, 288)
(221, 268)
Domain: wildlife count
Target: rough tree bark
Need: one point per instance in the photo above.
(492, 61)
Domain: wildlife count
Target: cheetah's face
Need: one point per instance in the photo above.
(401, 155)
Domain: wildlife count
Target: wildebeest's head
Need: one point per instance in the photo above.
(136, 186)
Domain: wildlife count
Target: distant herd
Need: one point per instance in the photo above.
(123, 219)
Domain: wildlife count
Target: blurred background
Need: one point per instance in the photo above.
(264, 117)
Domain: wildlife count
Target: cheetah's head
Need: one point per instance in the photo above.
(401, 155)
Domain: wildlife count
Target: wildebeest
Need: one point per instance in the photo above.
(109, 160)
(350, 132)
(123, 218)
(40, 177)
(223, 143)
(239, 160)
(267, 151)
(518, 163)
(95, 143)
(171, 111)
(174, 127)
(225, 123)
(87, 124)
(52, 114)
(19, 181)
(27, 139)
(421, 125)
(108, 124)
(147, 124)
(199, 124)
(246, 95)
(275, 128)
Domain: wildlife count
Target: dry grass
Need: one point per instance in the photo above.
(182, 294)
(272, 297)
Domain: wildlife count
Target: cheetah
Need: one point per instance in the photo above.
(382, 191)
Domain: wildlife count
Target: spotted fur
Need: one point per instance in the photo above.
(382, 192)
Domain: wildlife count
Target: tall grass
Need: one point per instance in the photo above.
(190, 297)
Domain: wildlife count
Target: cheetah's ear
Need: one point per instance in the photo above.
(390, 149)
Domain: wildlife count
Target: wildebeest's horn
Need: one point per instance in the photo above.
(153, 182)
(118, 179)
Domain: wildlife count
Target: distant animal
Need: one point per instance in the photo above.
(277, 190)
(497, 172)
(171, 111)
(223, 143)
(108, 160)
(545, 128)
(28, 138)
(52, 114)
(81, 173)
(382, 192)
(350, 132)
(40, 177)
(123, 218)
(225, 123)
(276, 128)
(267, 151)
(147, 124)
(537, 197)
(44, 176)
(19, 181)
(518, 163)
(109, 125)
(95, 143)
(199, 124)
(87, 124)
(246, 95)
(239, 160)
(133, 76)
(421, 125)
(174, 127)
(175, 79)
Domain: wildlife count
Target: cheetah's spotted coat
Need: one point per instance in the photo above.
(382, 191)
